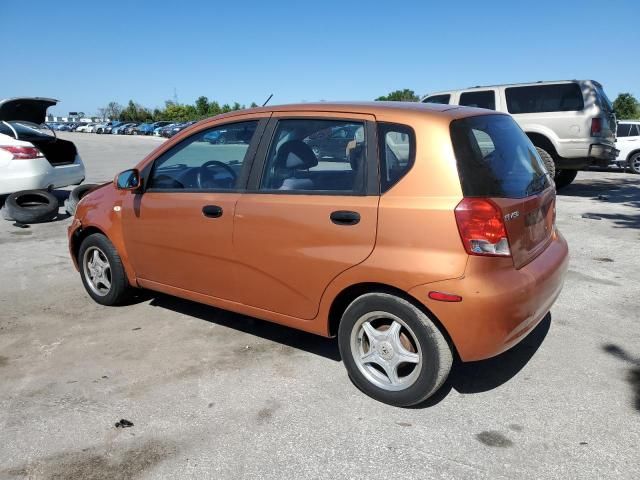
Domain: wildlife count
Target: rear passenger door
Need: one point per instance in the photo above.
(310, 211)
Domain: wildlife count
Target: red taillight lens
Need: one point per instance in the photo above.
(482, 228)
(596, 127)
(23, 153)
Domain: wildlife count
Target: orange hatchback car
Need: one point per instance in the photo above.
(415, 233)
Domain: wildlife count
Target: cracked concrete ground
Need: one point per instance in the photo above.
(216, 395)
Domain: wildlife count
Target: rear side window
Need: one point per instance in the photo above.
(496, 159)
(635, 130)
(443, 99)
(397, 149)
(563, 97)
(316, 155)
(623, 130)
(484, 99)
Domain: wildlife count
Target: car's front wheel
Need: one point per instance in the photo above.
(101, 270)
(392, 350)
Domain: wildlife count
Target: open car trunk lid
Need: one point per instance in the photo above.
(27, 109)
(497, 161)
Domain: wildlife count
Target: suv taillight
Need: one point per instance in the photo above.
(23, 153)
(596, 127)
(482, 228)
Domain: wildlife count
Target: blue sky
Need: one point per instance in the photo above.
(89, 53)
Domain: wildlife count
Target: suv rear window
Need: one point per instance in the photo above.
(483, 99)
(496, 159)
(562, 97)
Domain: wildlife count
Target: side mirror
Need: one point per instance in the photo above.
(128, 180)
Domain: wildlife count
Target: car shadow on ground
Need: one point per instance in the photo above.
(471, 377)
(633, 373)
(324, 347)
(621, 190)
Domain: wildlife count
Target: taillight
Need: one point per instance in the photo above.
(596, 127)
(482, 228)
(23, 153)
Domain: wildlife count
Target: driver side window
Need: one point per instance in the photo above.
(212, 159)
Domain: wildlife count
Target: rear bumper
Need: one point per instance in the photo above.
(603, 154)
(577, 155)
(39, 174)
(500, 305)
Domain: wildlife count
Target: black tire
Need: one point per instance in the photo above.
(634, 163)
(76, 195)
(31, 206)
(431, 346)
(119, 286)
(547, 159)
(564, 178)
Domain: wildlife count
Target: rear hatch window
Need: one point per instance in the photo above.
(496, 160)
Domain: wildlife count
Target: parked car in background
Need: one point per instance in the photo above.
(169, 132)
(31, 156)
(628, 143)
(571, 123)
(129, 128)
(148, 128)
(411, 256)
(158, 131)
(109, 128)
(120, 129)
(331, 143)
(103, 127)
(91, 128)
(85, 128)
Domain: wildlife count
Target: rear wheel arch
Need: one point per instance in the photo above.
(540, 140)
(349, 294)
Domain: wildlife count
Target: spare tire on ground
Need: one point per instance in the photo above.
(31, 206)
(76, 195)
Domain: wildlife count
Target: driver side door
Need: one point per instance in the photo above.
(178, 232)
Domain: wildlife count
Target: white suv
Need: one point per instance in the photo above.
(629, 145)
(31, 157)
(571, 122)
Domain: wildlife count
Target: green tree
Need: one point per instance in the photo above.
(405, 95)
(253, 105)
(202, 106)
(626, 106)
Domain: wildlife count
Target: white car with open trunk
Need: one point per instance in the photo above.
(31, 156)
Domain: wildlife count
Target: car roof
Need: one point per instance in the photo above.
(370, 108)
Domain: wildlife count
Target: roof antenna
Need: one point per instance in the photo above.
(267, 100)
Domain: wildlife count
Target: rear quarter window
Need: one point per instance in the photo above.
(496, 159)
(562, 97)
(397, 149)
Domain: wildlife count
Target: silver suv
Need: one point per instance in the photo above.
(571, 122)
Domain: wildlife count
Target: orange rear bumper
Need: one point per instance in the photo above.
(500, 305)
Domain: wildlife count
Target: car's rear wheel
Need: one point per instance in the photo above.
(547, 159)
(564, 178)
(392, 350)
(101, 270)
(634, 163)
